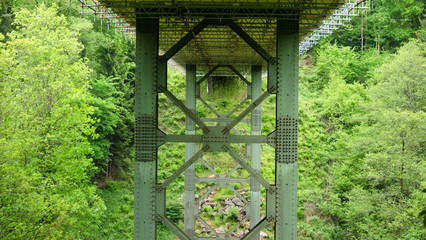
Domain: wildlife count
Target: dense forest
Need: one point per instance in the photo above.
(66, 127)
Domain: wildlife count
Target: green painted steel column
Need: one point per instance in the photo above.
(190, 150)
(256, 119)
(286, 128)
(145, 128)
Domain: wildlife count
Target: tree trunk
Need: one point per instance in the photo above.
(362, 32)
(401, 183)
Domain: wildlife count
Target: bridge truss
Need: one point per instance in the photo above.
(230, 39)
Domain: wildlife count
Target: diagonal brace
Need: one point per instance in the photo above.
(186, 110)
(249, 40)
(236, 227)
(249, 169)
(209, 107)
(204, 23)
(185, 40)
(214, 233)
(183, 167)
(250, 108)
(207, 74)
(236, 108)
(172, 226)
(207, 193)
(256, 230)
(238, 74)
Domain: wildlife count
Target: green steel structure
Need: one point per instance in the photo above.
(220, 38)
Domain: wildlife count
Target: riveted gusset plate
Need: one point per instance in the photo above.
(286, 139)
(146, 137)
(217, 139)
(271, 200)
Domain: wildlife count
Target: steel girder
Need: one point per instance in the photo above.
(150, 196)
(317, 18)
(146, 119)
(286, 129)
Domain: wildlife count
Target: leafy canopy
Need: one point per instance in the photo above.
(44, 168)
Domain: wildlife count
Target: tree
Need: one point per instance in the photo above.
(402, 82)
(338, 62)
(111, 56)
(45, 124)
(385, 153)
(387, 26)
(339, 101)
(107, 115)
(6, 17)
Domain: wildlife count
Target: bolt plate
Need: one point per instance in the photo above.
(216, 139)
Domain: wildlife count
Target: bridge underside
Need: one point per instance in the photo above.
(281, 196)
(220, 44)
(243, 39)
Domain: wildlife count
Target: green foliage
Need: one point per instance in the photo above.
(45, 171)
(117, 221)
(336, 62)
(111, 59)
(106, 115)
(385, 27)
(402, 82)
(226, 94)
(6, 17)
(383, 159)
(207, 209)
(174, 210)
(339, 62)
(232, 214)
(318, 228)
(66, 113)
(164, 233)
(422, 214)
(362, 151)
(339, 101)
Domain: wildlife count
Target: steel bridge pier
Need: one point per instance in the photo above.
(281, 196)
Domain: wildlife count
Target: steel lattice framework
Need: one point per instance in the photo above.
(317, 19)
(237, 38)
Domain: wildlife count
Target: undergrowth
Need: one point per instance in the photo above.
(171, 156)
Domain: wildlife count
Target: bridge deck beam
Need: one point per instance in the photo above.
(151, 79)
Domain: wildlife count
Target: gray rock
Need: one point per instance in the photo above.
(237, 202)
(263, 235)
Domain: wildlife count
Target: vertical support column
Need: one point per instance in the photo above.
(286, 128)
(190, 102)
(256, 119)
(145, 128)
